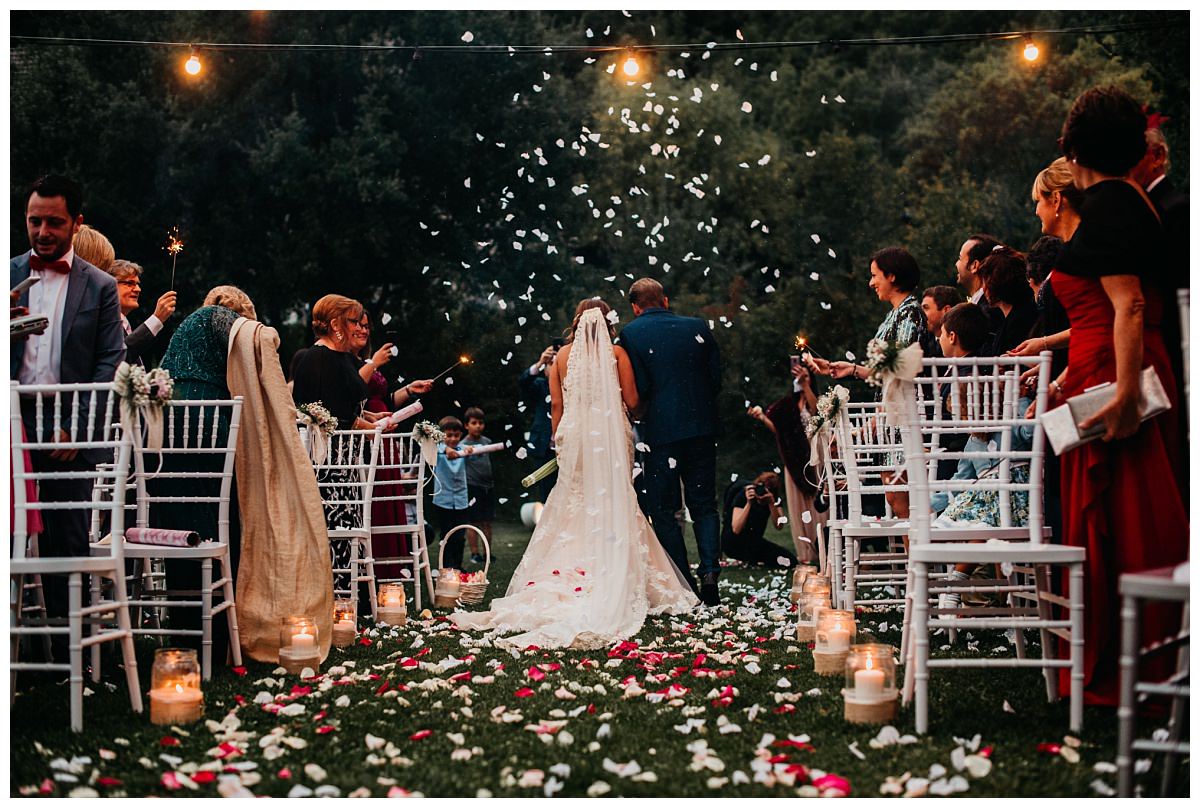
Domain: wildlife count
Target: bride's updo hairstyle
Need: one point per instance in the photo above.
(332, 314)
(584, 305)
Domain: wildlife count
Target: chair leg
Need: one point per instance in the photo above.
(16, 594)
(1076, 601)
(852, 551)
(1127, 710)
(1041, 576)
(920, 642)
(75, 648)
(372, 591)
(235, 640)
(1175, 724)
(128, 656)
(1013, 601)
(206, 588)
(95, 627)
(835, 567)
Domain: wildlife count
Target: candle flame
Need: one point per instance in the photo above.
(178, 688)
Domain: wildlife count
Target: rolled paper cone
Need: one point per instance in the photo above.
(491, 448)
(541, 474)
(404, 414)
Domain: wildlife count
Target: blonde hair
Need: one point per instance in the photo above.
(233, 298)
(1056, 177)
(584, 305)
(91, 245)
(121, 269)
(332, 308)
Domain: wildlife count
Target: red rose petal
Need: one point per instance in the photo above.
(109, 782)
(365, 640)
(535, 674)
(325, 729)
(523, 693)
(168, 740)
(240, 670)
(204, 777)
(170, 781)
(420, 735)
(284, 774)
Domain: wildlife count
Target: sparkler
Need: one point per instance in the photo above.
(174, 247)
(802, 345)
(462, 360)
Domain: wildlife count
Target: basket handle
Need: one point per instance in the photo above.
(487, 549)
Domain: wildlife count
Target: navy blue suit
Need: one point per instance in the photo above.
(535, 392)
(677, 365)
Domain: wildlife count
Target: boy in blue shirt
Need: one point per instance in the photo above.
(450, 501)
(479, 481)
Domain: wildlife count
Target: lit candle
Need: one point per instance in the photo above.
(344, 632)
(175, 703)
(868, 683)
(303, 644)
(392, 608)
(837, 640)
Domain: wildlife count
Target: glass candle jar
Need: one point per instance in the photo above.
(299, 647)
(392, 608)
(816, 583)
(345, 622)
(799, 575)
(835, 631)
(175, 694)
(449, 586)
(870, 691)
(811, 605)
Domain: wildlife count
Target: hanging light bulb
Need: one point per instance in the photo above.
(193, 65)
(1031, 51)
(631, 66)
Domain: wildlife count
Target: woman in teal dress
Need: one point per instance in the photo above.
(197, 361)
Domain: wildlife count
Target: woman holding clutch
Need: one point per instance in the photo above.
(1117, 502)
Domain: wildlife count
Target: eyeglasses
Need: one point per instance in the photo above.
(130, 283)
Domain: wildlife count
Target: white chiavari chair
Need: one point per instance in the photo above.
(400, 479)
(193, 469)
(869, 451)
(985, 393)
(346, 480)
(83, 414)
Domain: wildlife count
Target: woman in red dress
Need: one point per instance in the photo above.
(1120, 494)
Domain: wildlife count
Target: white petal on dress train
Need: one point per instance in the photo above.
(593, 569)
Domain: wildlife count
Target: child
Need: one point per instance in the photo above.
(964, 333)
(479, 481)
(450, 491)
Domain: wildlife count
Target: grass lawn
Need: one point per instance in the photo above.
(402, 715)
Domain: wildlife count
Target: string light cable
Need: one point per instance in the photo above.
(512, 50)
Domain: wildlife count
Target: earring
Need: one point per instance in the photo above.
(337, 335)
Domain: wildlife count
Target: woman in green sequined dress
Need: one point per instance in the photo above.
(197, 361)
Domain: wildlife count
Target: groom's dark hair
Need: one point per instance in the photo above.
(647, 293)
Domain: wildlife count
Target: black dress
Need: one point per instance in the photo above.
(1015, 328)
(320, 374)
(750, 545)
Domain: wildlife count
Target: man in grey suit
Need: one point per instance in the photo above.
(83, 343)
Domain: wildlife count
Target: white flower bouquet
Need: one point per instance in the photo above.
(146, 393)
(316, 415)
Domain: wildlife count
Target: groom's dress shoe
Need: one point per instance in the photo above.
(708, 590)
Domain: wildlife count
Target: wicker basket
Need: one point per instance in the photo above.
(470, 593)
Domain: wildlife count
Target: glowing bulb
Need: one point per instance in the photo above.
(193, 65)
(631, 67)
(1031, 51)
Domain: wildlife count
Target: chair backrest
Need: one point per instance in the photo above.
(868, 448)
(400, 477)
(984, 398)
(198, 448)
(84, 415)
(346, 477)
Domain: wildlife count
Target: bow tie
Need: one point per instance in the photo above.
(39, 264)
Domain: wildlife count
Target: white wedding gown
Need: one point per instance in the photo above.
(593, 569)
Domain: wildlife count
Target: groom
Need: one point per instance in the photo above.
(678, 371)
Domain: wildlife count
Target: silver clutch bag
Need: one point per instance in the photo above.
(1062, 422)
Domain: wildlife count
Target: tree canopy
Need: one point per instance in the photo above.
(472, 199)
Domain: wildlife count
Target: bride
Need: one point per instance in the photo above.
(593, 569)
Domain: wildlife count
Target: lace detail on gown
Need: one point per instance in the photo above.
(593, 569)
